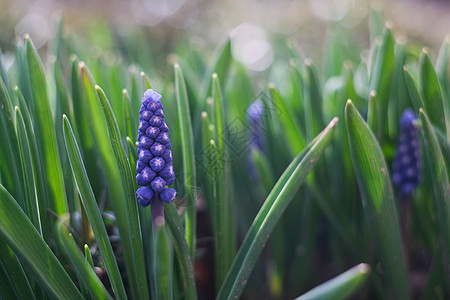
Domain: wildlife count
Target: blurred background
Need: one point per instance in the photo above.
(205, 22)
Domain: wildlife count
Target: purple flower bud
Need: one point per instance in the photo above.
(141, 181)
(156, 121)
(167, 156)
(164, 127)
(145, 155)
(159, 113)
(154, 166)
(146, 142)
(157, 149)
(167, 172)
(158, 184)
(157, 164)
(168, 195)
(145, 196)
(151, 95)
(152, 132)
(163, 138)
(406, 165)
(143, 125)
(154, 105)
(140, 165)
(146, 115)
(148, 174)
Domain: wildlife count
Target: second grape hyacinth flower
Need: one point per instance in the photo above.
(154, 166)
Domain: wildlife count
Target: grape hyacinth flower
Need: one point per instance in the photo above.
(154, 166)
(406, 166)
(255, 122)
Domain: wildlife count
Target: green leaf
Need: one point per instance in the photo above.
(291, 129)
(313, 101)
(92, 210)
(188, 156)
(31, 200)
(441, 186)
(430, 90)
(41, 188)
(219, 65)
(24, 239)
(378, 199)
(11, 176)
(15, 272)
(380, 80)
(84, 271)
(182, 251)
(45, 130)
(131, 202)
(221, 201)
(271, 211)
(340, 287)
(413, 92)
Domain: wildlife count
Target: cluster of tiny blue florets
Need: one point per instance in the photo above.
(154, 166)
(406, 166)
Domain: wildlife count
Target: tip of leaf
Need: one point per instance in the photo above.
(82, 66)
(405, 68)
(214, 75)
(334, 122)
(97, 88)
(212, 143)
(16, 108)
(176, 65)
(271, 85)
(364, 268)
(204, 114)
(64, 117)
(373, 94)
(26, 37)
(86, 247)
(389, 25)
(425, 50)
(349, 101)
(142, 74)
(16, 88)
(308, 62)
(128, 139)
(124, 92)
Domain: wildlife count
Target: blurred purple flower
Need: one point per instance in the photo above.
(406, 166)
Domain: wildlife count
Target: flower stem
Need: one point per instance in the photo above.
(157, 213)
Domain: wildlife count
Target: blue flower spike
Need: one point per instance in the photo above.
(154, 166)
(407, 164)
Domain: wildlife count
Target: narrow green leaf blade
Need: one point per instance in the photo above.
(188, 156)
(15, 272)
(340, 287)
(294, 138)
(45, 130)
(92, 210)
(131, 202)
(24, 239)
(270, 213)
(430, 90)
(441, 186)
(378, 199)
